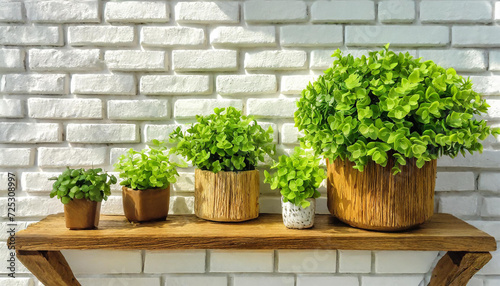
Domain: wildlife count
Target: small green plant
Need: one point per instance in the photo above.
(146, 169)
(387, 104)
(298, 176)
(224, 141)
(92, 184)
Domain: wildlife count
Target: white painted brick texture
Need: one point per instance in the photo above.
(11, 60)
(207, 12)
(137, 11)
(172, 36)
(101, 35)
(30, 35)
(64, 60)
(16, 157)
(246, 84)
(35, 83)
(275, 11)
(11, 12)
(136, 60)
(103, 84)
(65, 108)
(11, 108)
(175, 84)
(50, 11)
(252, 36)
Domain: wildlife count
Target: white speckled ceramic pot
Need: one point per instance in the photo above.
(297, 217)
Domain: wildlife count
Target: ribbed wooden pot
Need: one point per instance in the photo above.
(226, 196)
(376, 200)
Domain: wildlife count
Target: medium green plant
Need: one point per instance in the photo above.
(92, 184)
(387, 104)
(146, 169)
(298, 176)
(224, 141)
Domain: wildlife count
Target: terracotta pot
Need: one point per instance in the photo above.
(298, 217)
(146, 205)
(82, 214)
(226, 196)
(377, 200)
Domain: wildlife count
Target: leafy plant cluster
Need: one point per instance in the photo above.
(389, 104)
(146, 169)
(224, 141)
(92, 184)
(298, 176)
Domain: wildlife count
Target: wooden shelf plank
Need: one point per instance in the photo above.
(443, 232)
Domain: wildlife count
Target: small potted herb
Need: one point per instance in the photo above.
(147, 175)
(298, 177)
(225, 147)
(82, 191)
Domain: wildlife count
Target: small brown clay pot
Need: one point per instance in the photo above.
(82, 214)
(146, 205)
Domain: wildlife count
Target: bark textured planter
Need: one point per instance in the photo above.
(375, 199)
(82, 214)
(226, 196)
(298, 217)
(146, 205)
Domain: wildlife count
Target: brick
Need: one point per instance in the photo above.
(497, 11)
(38, 182)
(355, 261)
(397, 35)
(321, 59)
(404, 261)
(113, 206)
(189, 108)
(20, 132)
(455, 181)
(185, 182)
(311, 35)
(456, 12)
(31, 35)
(294, 84)
(270, 204)
(246, 84)
(408, 280)
(290, 134)
(158, 132)
(475, 282)
(490, 227)
(16, 157)
(307, 261)
(195, 280)
(149, 109)
(491, 282)
(11, 108)
(489, 182)
(326, 280)
(11, 60)
(275, 11)
(343, 12)
(175, 261)
(137, 12)
(11, 12)
(103, 261)
(493, 110)
(4, 187)
(275, 60)
(264, 280)
(205, 60)
(19, 267)
(494, 59)
(103, 84)
(172, 36)
(242, 261)
(50, 11)
(207, 12)
(101, 35)
(64, 60)
(475, 36)
(175, 84)
(74, 108)
(35, 83)
(72, 157)
(396, 11)
(102, 133)
(459, 205)
(181, 205)
(272, 108)
(460, 60)
(486, 85)
(119, 280)
(34, 206)
(491, 268)
(490, 207)
(253, 36)
(488, 159)
(136, 60)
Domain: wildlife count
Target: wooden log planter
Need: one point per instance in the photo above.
(226, 196)
(375, 199)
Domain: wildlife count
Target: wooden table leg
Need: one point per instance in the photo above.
(457, 268)
(50, 267)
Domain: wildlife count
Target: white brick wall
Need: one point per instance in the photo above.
(83, 81)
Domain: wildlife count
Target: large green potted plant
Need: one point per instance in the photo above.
(298, 177)
(225, 147)
(82, 191)
(381, 121)
(147, 175)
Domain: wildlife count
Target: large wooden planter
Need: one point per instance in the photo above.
(82, 214)
(226, 196)
(375, 199)
(146, 205)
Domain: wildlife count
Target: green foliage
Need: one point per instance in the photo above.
(92, 184)
(224, 141)
(390, 104)
(298, 176)
(146, 169)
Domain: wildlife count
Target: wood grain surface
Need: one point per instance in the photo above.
(375, 199)
(443, 232)
(457, 268)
